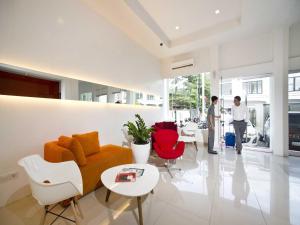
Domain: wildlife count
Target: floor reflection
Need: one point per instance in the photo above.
(224, 189)
(240, 184)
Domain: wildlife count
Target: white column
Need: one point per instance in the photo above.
(215, 88)
(203, 93)
(69, 89)
(279, 92)
(130, 97)
(110, 96)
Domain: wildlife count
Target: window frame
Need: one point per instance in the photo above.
(293, 79)
(252, 87)
(295, 82)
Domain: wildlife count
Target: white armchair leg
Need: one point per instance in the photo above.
(77, 220)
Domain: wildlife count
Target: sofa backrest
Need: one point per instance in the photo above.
(55, 153)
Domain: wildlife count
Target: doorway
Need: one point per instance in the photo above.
(255, 94)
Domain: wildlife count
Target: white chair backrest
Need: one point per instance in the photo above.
(52, 182)
(128, 137)
(191, 126)
(34, 165)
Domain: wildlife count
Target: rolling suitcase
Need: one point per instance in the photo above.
(229, 139)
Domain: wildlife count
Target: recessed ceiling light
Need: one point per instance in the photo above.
(217, 11)
(177, 27)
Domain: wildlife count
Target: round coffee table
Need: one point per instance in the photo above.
(141, 186)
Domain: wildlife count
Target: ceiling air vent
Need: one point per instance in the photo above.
(182, 64)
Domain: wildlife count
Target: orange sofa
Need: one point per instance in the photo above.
(91, 158)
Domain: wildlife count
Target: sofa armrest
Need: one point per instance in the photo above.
(124, 154)
(55, 153)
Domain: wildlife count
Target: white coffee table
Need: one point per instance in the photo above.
(142, 186)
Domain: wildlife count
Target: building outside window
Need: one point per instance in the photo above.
(139, 98)
(291, 83)
(87, 96)
(150, 97)
(294, 83)
(226, 89)
(253, 87)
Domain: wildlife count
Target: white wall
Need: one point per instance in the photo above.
(27, 123)
(201, 63)
(294, 47)
(67, 38)
(246, 52)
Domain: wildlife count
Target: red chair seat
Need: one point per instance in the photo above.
(166, 145)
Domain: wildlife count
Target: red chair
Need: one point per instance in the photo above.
(162, 126)
(167, 147)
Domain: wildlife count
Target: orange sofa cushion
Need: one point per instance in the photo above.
(107, 157)
(89, 142)
(55, 153)
(78, 151)
(75, 147)
(65, 142)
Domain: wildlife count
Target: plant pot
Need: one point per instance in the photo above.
(140, 152)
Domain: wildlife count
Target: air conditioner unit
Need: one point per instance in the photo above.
(182, 64)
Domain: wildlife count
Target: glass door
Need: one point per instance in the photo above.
(294, 113)
(255, 94)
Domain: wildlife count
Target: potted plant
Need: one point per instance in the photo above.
(141, 139)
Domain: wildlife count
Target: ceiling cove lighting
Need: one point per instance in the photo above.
(177, 27)
(217, 11)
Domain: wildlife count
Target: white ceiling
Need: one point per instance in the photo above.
(150, 22)
(190, 15)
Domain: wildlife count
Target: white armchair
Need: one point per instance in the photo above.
(52, 183)
(128, 138)
(190, 134)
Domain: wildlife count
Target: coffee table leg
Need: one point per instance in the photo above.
(107, 195)
(139, 200)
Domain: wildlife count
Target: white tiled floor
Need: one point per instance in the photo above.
(255, 188)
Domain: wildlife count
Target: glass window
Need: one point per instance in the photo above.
(259, 87)
(185, 97)
(88, 97)
(227, 89)
(291, 83)
(253, 87)
(150, 97)
(297, 83)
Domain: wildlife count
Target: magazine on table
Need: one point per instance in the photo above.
(126, 177)
(139, 172)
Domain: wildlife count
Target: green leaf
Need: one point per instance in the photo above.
(138, 129)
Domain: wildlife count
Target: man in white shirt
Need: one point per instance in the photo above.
(240, 117)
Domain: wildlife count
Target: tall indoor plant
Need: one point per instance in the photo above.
(141, 139)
